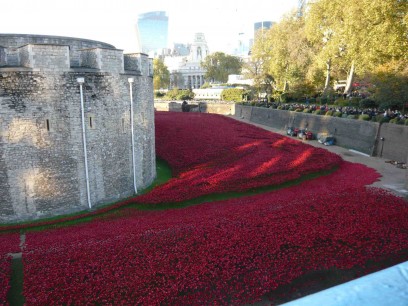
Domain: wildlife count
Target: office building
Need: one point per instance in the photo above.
(262, 25)
(152, 31)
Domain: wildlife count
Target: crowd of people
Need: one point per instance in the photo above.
(340, 111)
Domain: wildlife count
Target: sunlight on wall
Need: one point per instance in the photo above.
(23, 130)
(40, 184)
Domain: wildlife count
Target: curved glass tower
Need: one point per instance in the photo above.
(152, 30)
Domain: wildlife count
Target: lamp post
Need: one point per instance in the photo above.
(81, 81)
(131, 80)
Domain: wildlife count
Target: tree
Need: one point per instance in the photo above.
(283, 53)
(219, 65)
(390, 85)
(363, 34)
(161, 75)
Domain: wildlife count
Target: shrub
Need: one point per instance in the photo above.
(367, 103)
(233, 94)
(298, 110)
(329, 113)
(307, 110)
(351, 117)
(158, 94)
(319, 112)
(353, 102)
(280, 107)
(285, 97)
(383, 119)
(406, 121)
(397, 121)
(338, 114)
(179, 94)
(341, 102)
(364, 117)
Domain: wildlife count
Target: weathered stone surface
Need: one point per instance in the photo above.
(42, 171)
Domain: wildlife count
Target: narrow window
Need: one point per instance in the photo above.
(47, 122)
(123, 125)
(90, 122)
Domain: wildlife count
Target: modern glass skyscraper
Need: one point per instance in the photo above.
(152, 30)
(262, 25)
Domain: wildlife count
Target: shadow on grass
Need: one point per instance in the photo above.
(232, 195)
(15, 295)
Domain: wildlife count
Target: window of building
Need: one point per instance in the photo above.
(91, 121)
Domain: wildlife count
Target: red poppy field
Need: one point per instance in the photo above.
(234, 251)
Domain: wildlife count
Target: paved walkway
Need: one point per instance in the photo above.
(392, 178)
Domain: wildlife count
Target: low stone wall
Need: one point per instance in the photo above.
(202, 107)
(392, 142)
(363, 136)
(353, 134)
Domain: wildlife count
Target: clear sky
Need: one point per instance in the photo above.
(113, 21)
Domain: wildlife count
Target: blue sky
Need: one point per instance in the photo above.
(113, 21)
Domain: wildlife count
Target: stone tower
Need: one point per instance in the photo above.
(66, 137)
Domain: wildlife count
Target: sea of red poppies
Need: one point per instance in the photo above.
(215, 154)
(227, 252)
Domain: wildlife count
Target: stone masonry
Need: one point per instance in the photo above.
(42, 171)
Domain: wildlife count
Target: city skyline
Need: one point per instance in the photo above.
(114, 22)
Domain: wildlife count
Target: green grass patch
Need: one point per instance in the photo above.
(232, 195)
(163, 175)
(15, 295)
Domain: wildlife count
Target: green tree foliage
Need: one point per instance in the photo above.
(368, 32)
(179, 94)
(234, 94)
(219, 65)
(284, 53)
(161, 75)
(337, 40)
(390, 85)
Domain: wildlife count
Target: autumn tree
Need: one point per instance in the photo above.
(283, 53)
(161, 75)
(357, 36)
(219, 65)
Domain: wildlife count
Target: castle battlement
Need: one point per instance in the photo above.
(50, 57)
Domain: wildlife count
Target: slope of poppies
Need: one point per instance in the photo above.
(9, 243)
(215, 154)
(230, 252)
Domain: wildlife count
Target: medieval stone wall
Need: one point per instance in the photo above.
(42, 170)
